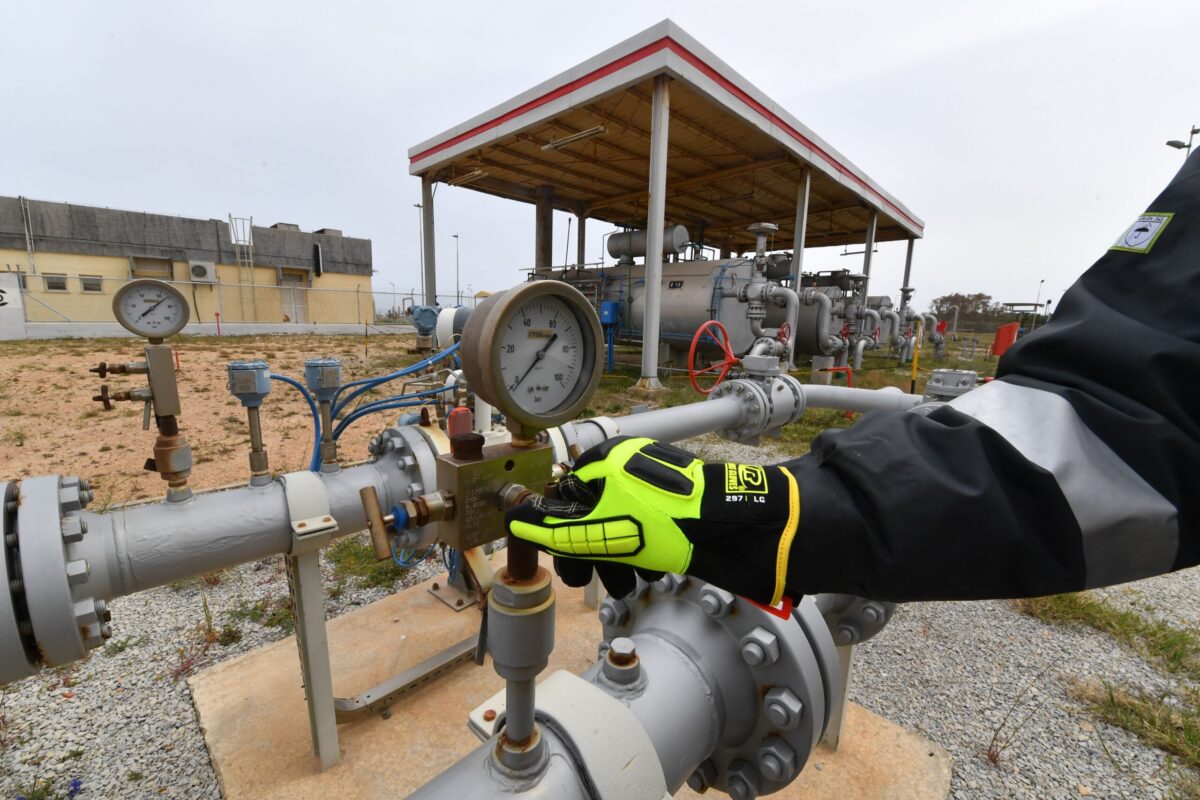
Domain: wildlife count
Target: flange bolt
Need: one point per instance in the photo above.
(743, 781)
(703, 776)
(777, 760)
(783, 708)
(715, 601)
(613, 612)
(760, 648)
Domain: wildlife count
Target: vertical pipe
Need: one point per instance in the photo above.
(543, 245)
(580, 238)
(802, 194)
(430, 266)
(655, 220)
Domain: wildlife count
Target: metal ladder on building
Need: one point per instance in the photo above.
(27, 222)
(241, 234)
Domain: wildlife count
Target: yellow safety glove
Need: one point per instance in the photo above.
(652, 506)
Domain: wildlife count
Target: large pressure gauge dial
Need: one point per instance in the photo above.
(532, 352)
(150, 308)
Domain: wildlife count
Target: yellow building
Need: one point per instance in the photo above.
(61, 263)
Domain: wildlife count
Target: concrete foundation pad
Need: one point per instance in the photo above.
(255, 722)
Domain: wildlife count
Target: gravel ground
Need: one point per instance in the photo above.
(124, 725)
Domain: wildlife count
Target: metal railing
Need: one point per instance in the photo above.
(89, 299)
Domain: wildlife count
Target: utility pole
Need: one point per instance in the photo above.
(457, 285)
(1037, 303)
(1186, 148)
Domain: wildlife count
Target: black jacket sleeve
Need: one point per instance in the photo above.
(1078, 467)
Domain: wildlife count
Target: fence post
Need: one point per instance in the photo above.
(358, 304)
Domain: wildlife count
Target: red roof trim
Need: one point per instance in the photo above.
(666, 43)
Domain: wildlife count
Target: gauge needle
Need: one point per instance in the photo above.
(151, 308)
(540, 355)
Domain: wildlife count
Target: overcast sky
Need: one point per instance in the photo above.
(1027, 135)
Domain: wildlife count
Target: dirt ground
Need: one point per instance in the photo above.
(49, 423)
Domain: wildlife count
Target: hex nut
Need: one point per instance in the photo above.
(73, 529)
(670, 583)
(613, 612)
(783, 708)
(703, 776)
(846, 635)
(716, 602)
(742, 782)
(760, 647)
(872, 614)
(77, 572)
(777, 760)
(621, 663)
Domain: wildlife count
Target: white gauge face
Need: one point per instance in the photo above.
(151, 309)
(541, 354)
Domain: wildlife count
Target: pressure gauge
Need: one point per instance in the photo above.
(533, 352)
(150, 308)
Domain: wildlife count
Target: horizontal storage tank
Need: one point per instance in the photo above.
(693, 292)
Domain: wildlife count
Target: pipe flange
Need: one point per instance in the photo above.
(16, 630)
(792, 661)
(55, 589)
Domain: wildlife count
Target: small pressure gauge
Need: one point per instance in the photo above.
(150, 308)
(533, 352)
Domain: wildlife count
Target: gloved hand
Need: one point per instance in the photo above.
(643, 504)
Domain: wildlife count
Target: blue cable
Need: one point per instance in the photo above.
(367, 384)
(386, 404)
(408, 559)
(316, 415)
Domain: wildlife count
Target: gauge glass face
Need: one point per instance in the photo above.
(150, 310)
(541, 355)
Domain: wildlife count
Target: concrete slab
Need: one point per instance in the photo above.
(253, 714)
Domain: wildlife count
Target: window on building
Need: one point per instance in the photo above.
(146, 267)
(91, 283)
(54, 283)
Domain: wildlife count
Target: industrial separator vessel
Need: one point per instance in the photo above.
(692, 684)
(828, 315)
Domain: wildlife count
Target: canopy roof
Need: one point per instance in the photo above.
(735, 156)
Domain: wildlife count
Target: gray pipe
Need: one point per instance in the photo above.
(139, 547)
(872, 315)
(931, 331)
(895, 338)
(954, 324)
(859, 347)
(683, 422)
(825, 339)
(889, 398)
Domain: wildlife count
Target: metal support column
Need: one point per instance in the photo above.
(430, 265)
(543, 246)
(655, 220)
(801, 225)
(580, 239)
(304, 576)
(905, 289)
(837, 717)
(872, 224)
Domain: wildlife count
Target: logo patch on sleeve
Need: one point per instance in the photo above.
(745, 479)
(1142, 234)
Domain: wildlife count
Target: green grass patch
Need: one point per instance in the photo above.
(1169, 723)
(353, 557)
(118, 646)
(1173, 649)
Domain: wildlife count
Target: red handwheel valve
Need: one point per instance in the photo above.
(721, 336)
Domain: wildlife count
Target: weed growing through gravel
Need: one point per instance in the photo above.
(1173, 649)
(1003, 736)
(118, 646)
(44, 789)
(353, 557)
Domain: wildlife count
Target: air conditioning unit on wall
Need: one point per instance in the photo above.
(202, 272)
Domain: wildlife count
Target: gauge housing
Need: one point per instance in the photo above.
(132, 326)
(482, 364)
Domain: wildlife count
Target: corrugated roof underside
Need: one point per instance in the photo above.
(723, 173)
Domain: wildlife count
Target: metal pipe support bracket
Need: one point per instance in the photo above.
(308, 507)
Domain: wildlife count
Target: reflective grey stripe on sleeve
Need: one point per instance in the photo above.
(1130, 531)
